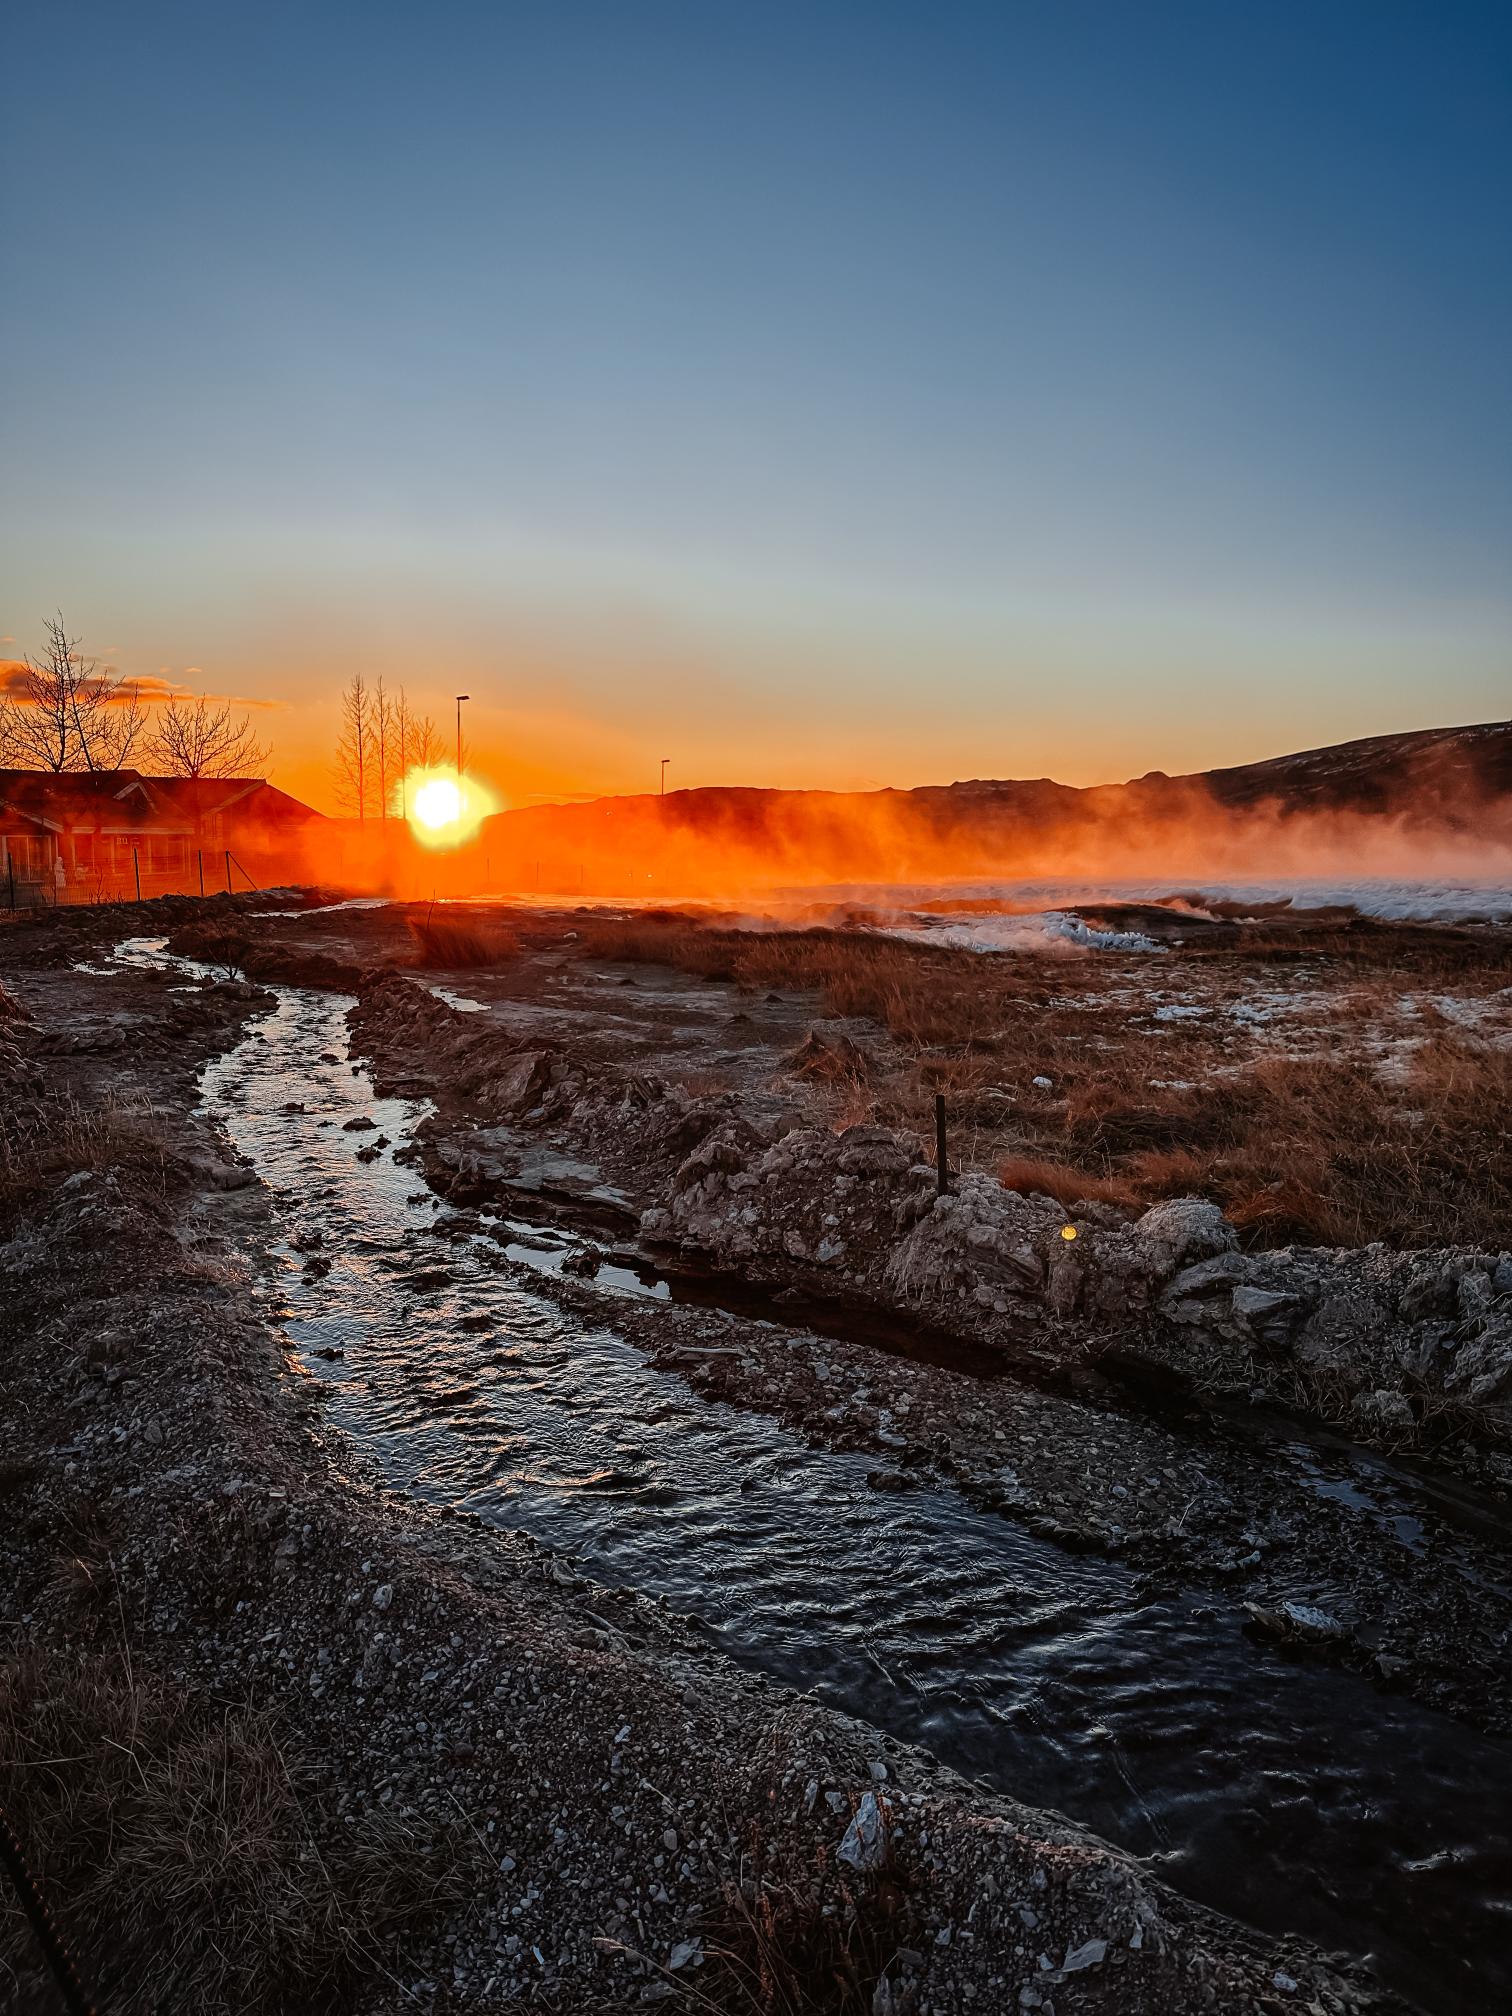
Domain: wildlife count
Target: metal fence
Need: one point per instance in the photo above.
(209, 874)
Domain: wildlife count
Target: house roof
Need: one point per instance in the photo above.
(204, 797)
(113, 800)
(124, 801)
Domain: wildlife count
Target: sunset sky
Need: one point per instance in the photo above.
(822, 394)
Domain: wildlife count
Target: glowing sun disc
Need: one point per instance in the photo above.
(438, 803)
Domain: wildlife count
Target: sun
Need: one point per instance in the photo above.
(446, 810)
(438, 803)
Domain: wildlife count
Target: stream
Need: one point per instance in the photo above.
(1295, 1797)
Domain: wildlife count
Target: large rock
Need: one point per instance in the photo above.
(1270, 1315)
(1181, 1230)
(1481, 1368)
(520, 1082)
(874, 1151)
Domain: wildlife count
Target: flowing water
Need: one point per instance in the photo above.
(1297, 1798)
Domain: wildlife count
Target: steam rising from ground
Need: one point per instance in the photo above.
(1440, 815)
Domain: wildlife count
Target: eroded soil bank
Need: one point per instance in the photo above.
(518, 1784)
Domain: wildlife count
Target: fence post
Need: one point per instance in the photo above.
(136, 870)
(228, 871)
(942, 1160)
(202, 870)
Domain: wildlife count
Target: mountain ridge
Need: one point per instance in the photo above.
(1424, 791)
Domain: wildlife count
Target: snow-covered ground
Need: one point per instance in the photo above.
(1021, 931)
(1033, 914)
(1014, 916)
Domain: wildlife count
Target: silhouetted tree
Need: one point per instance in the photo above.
(423, 747)
(71, 715)
(354, 749)
(201, 738)
(388, 748)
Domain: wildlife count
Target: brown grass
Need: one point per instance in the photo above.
(181, 1848)
(1032, 1176)
(42, 1142)
(450, 942)
(922, 995)
(1422, 953)
(1315, 1148)
(793, 1932)
(774, 1950)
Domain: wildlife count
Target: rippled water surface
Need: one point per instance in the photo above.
(1298, 1798)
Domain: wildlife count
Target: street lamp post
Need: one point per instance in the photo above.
(665, 761)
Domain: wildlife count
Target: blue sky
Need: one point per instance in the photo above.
(829, 394)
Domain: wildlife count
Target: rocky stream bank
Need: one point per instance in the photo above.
(376, 1757)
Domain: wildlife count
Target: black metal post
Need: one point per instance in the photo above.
(942, 1160)
(136, 870)
(228, 871)
(201, 852)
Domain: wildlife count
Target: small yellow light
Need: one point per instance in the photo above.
(1068, 1231)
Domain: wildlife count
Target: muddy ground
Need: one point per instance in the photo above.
(495, 1785)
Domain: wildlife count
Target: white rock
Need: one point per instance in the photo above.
(864, 1845)
(1092, 1954)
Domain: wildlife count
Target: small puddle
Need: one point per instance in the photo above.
(1292, 1796)
(463, 1002)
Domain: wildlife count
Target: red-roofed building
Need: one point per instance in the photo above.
(96, 836)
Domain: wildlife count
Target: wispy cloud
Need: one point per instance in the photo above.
(151, 689)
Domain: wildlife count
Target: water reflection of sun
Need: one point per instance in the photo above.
(444, 808)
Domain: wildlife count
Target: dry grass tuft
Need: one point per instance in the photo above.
(43, 1142)
(1320, 1151)
(182, 1853)
(791, 1937)
(450, 942)
(923, 995)
(774, 1950)
(1032, 1176)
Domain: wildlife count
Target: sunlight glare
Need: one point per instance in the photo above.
(438, 803)
(445, 810)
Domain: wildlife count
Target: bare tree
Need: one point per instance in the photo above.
(354, 749)
(388, 748)
(401, 723)
(418, 746)
(202, 738)
(423, 744)
(71, 715)
(10, 747)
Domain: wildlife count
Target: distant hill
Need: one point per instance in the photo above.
(1378, 805)
(1451, 769)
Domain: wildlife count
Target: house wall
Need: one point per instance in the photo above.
(28, 868)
